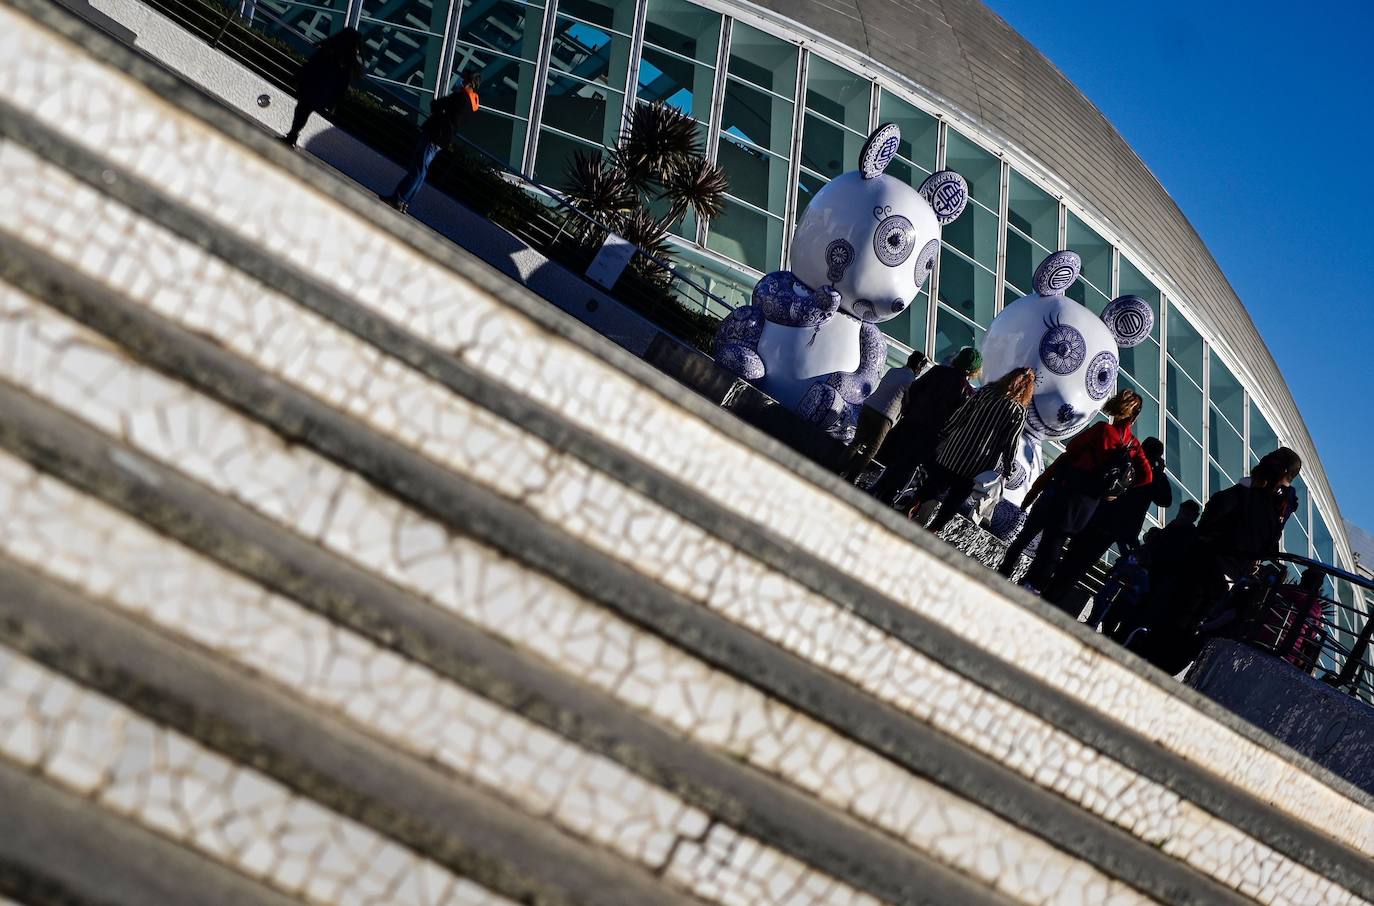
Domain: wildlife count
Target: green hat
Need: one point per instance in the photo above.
(968, 360)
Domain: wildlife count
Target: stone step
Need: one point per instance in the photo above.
(199, 755)
(57, 849)
(399, 419)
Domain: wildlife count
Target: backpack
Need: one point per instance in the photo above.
(1117, 474)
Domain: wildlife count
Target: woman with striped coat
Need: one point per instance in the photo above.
(984, 434)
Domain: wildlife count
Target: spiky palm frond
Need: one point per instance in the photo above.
(651, 236)
(599, 189)
(699, 187)
(658, 141)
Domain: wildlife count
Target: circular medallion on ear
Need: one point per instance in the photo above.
(839, 254)
(894, 240)
(925, 261)
(1101, 375)
(1130, 319)
(1062, 348)
(879, 150)
(947, 193)
(1057, 273)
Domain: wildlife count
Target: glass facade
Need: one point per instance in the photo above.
(561, 75)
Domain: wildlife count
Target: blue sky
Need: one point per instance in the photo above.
(1256, 117)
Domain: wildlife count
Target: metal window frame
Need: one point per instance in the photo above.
(541, 84)
(789, 217)
(632, 65)
(1000, 265)
(717, 111)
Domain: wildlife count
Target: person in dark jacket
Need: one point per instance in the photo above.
(982, 435)
(445, 116)
(1072, 488)
(1240, 526)
(930, 401)
(324, 78)
(1116, 522)
(1170, 548)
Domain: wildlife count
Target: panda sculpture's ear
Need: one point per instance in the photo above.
(1130, 319)
(947, 193)
(1057, 273)
(879, 150)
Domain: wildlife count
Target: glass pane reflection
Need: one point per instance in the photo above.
(1033, 211)
(747, 235)
(762, 59)
(837, 94)
(966, 287)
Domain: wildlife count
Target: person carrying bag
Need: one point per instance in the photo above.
(1100, 463)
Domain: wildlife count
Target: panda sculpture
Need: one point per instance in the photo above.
(1075, 355)
(860, 253)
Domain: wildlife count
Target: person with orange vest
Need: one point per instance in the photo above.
(446, 115)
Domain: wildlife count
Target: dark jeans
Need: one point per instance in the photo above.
(298, 120)
(410, 184)
(873, 428)
(1085, 549)
(1044, 519)
(950, 488)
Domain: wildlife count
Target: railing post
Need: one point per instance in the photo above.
(1354, 660)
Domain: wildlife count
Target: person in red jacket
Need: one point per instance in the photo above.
(1075, 484)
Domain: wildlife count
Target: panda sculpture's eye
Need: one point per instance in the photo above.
(1062, 348)
(894, 240)
(1101, 375)
(925, 261)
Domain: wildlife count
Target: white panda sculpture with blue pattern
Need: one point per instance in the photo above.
(1075, 355)
(861, 251)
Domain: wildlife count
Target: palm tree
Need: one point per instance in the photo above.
(657, 158)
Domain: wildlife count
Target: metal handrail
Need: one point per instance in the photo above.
(1353, 672)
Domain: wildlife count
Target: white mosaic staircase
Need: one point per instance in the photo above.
(337, 569)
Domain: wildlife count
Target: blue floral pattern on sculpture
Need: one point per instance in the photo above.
(894, 240)
(735, 345)
(879, 150)
(947, 193)
(1130, 319)
(784, 299)
(1062, 348)
(1007, 519)
(838, 256)
(1101, 375)
(1057, 273)
(925, 261)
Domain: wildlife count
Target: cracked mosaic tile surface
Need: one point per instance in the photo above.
(114, 116)
(403, 702)
(49, 527)
(98, 749)
(312, 496)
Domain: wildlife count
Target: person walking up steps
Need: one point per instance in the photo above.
(446, 115)
(1100, 462)
(879, 413)
(324, 78)
(930, 401)
(984, 434)
(1116, 522)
